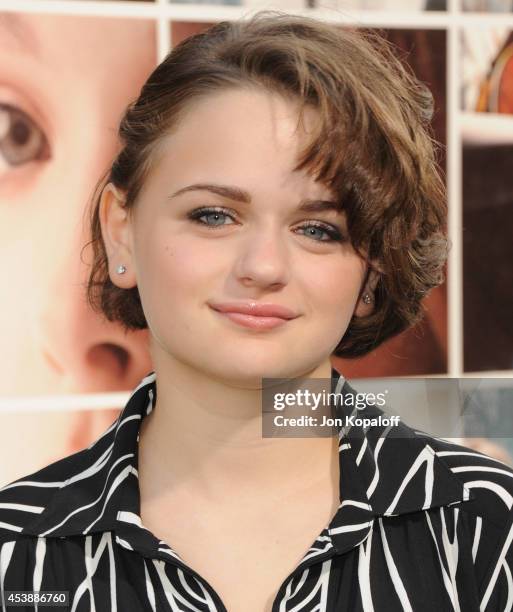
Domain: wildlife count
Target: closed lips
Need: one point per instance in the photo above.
(257, 310)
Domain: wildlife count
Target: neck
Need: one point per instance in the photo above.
(205, 436)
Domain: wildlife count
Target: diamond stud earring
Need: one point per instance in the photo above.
(367, 298)
(121, 269)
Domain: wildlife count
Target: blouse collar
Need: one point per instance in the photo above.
(381, 475)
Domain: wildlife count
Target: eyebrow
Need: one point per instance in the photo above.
(20, 33)
(239, 195)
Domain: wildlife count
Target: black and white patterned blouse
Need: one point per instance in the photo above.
(423, 525)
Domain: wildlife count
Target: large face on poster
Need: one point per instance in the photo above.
(64, 83)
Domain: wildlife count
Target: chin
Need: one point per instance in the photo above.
(251, 374)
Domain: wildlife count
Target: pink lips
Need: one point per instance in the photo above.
(255, 316)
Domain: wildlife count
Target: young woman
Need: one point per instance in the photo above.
(275, 202)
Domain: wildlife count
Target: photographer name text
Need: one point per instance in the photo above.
(345, 421)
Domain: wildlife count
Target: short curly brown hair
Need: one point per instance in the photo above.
(372, 147)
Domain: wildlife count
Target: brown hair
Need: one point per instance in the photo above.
(372, 147)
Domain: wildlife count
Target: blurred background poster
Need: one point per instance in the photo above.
(65, 80)
(64, 83)
(487, 136)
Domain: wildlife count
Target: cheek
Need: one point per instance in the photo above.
(334, 286)
(189, 264)
(177, 271)
(334, 290)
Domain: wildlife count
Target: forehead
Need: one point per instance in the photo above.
(249, 112)
(52, 39)
(240, 135)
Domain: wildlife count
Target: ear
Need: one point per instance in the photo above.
(117, 237)
(369, 287)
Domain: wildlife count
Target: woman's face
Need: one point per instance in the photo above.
(64, 83)
(265, 250)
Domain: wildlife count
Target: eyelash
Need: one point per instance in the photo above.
(195, 215)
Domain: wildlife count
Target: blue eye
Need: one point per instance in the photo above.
(212, 213)
(217, 214)
(333, 234)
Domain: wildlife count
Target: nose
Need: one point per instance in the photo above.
(89, 353)
(263, 259)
